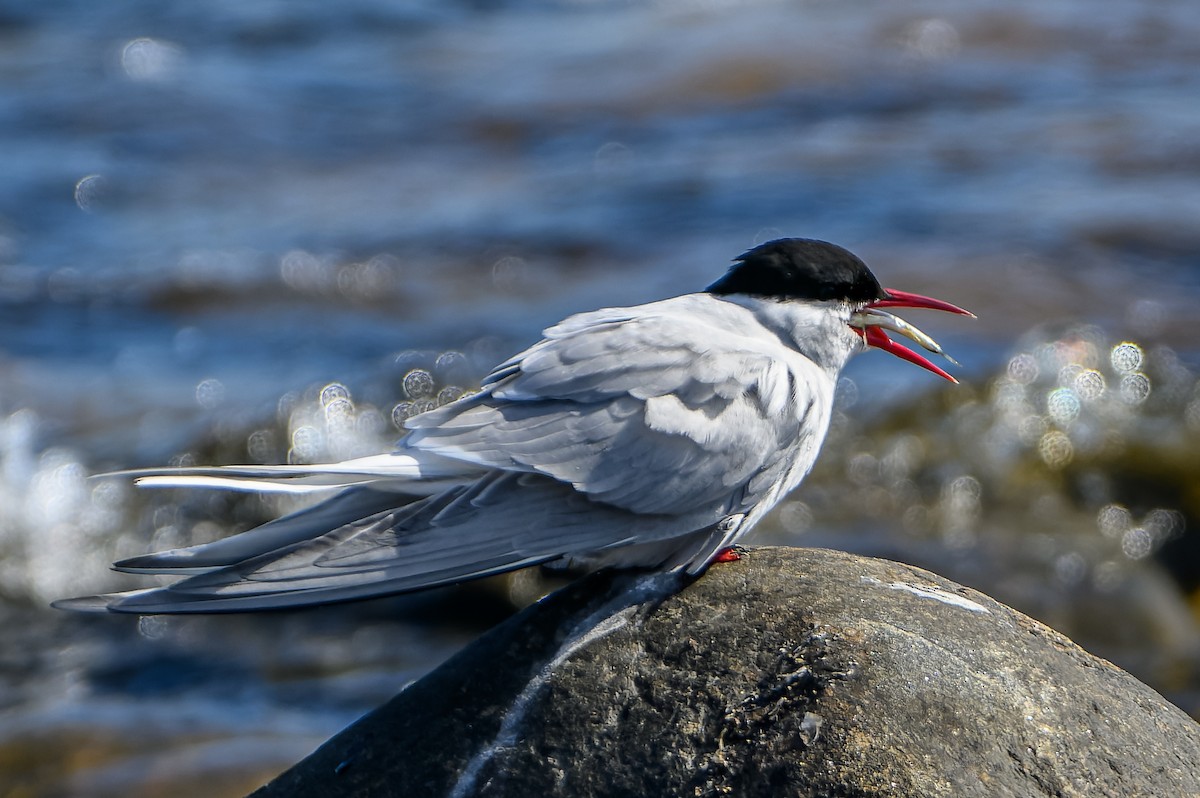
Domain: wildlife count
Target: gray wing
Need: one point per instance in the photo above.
(286, 532)
(653, 413)
(501, 522)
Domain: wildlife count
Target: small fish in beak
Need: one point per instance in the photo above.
(871, 322)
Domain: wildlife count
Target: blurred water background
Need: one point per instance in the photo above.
(254, 230)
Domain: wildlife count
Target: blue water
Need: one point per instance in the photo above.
(211, 210)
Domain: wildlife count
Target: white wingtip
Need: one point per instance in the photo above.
(256, 485)
(417, 473)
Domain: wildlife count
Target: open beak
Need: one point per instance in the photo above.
(872, 323)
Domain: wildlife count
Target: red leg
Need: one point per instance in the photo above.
(728, 554)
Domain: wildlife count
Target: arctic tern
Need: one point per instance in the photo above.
(653, 436)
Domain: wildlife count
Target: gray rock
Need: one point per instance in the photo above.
(791, 672)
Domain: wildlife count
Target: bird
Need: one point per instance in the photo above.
(653, 436)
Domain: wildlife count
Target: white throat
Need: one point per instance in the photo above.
(818, 330)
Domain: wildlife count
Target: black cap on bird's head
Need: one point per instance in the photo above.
(800, 268)
(812, 270)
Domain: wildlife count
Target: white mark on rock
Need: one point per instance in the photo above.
(611, 616)
(935, 593)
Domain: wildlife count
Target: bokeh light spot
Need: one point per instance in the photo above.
(1055, 449)
(151, 60)
(452, 366)
(210, 393)
(1068, 373)
(796, 517)
(1137, 543)
(422, 406)
(931, 39)
(1113, 520)
(153, 627)
(339, 412)
(89, 191)
(612, 159)
(400, 414)
(449, 394)
(260, 445)
(1031, 429)
(1070, 569)
(1062, 405)
(862, 469)
(509, 273)
(1135, 388)
(1164, 525)
(1023, 369)
(846, 395)
(418, 384)
(1089, 385)
(334, 392)
(1126, 357)
(307, 442)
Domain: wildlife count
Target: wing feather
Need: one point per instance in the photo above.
(501, 522)
(297, 527)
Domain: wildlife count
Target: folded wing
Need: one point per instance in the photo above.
(502, 522)
(621, 437)
(654, 414)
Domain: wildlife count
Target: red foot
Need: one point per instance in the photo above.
(728, 554)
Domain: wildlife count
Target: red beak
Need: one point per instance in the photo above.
(904, 299)
(870, 322)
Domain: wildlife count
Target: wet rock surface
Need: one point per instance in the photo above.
(790, 672)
